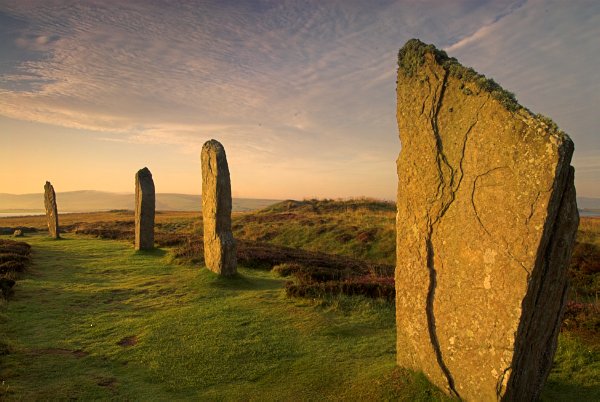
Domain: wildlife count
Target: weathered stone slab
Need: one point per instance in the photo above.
(144, 210)
(51, 210)
(219, 244)
(485, 229)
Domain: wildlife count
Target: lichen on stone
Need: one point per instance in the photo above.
(412, 56)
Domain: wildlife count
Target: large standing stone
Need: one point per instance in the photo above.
(219, 244)
(51, 210)
(485, 229)
(144, 210)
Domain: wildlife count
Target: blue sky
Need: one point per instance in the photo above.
(301, 93)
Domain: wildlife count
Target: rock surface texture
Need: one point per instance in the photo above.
(219, 244)
(144, 210)
(51, 210)
(485, 230)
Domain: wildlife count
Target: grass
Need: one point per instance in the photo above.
(93, 319)
(357, 228)
(576, 372)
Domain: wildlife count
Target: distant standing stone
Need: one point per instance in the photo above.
(144, 210)
(18, 233)
(219, 244)
(51, 210)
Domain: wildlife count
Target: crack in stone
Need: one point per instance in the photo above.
(431, 326)
(532, 209)
(500, 383)
(503, 247)
(441, 158)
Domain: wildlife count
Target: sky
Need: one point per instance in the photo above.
(300, 93)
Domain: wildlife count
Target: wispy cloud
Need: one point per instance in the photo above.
(284, 83)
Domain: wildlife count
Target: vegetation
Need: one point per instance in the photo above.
(93, 319)
(582, 315)
(14, 256)
(359, 228)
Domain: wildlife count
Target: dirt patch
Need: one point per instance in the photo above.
(366, 236)
(344, 238)
(128, 341)
(109, 382)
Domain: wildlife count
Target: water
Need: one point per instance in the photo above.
(11, 214)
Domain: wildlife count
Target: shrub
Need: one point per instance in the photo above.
(584, 316)
(367, 286)
(14, 256)
(287, 268)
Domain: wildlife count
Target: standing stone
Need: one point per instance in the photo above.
(219, 244)
(144, 210)
(51, 210)
(485, 230)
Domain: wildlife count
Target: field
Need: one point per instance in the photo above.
(91, 318)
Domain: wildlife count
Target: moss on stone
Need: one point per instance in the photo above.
(412, 56)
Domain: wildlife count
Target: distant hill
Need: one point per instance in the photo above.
(89, 200)
(588, 203)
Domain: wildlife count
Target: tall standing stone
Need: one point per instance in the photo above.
(144, 210)
(51, 210)
(485, 229)
(219, 244)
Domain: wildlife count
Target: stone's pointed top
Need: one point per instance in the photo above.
(412, 55)
(213, 144)
(144, 172)
(412, 59)
(47, 183)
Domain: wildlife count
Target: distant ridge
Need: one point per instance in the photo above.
(90, 200)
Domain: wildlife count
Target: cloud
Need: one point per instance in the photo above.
(547, 53)
(306, 85)
(148, 63)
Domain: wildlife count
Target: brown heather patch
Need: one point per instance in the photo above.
(14, 257)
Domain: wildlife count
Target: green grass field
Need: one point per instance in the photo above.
(93, 319)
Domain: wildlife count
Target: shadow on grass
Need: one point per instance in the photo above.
(48, 238)
(240, 281)
(565, 391)
(156, 252)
